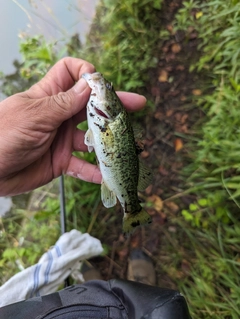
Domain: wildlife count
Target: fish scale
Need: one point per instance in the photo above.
(111, 136)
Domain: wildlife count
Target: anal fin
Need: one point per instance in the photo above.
(109, 199)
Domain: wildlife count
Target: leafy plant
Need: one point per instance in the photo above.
(211, 282)
(122, 41)
(25, 236)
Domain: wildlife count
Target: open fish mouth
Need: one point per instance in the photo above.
(101, 113)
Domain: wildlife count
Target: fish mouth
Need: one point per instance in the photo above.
(101, 113)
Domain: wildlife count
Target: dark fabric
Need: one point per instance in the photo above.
(115, 299)
(77, 312)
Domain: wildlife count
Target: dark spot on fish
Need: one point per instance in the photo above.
(138, 211)
(109, 86)
(102, 129)
(94, 94)
(91, 114)
(130, 192)
(107, 165)
(135, 224)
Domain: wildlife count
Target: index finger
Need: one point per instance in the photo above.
(132, 101)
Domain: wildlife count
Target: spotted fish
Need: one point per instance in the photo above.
(111, 136)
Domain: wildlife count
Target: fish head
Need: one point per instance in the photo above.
(103, 100)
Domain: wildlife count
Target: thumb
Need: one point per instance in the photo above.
(62, 106)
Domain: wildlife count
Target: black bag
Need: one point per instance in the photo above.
(115, 299)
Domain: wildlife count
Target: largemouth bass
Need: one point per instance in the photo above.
(111, 136)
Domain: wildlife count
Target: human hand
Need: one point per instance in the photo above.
(38, 129)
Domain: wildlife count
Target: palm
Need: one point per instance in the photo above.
(38, 131)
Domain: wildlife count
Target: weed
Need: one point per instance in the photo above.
(123, 39)
(212, 282)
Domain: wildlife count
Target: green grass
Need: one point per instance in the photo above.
(206, 243)
(211, 283)
(210, 279)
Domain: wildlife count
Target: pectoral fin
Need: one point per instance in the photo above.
(89, 140)
(109, 199)
(144, 178)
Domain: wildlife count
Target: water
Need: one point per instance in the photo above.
(53, 18)
(5, 205)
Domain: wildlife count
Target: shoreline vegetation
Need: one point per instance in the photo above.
(184, 56)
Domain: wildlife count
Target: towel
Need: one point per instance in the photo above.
(53, 267)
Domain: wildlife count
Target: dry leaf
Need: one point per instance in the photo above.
(156, 201)
(180, 67)
(169, 27)
(184, 128)
(196, 92)
(178, 144)
(176, 48)
(184, 117)
(172, 206)
(148, 190)
(183, 98)
(163, 76)
(172, 229)
(159, 115)
(163, 171)
(169, 112)
(145, 154)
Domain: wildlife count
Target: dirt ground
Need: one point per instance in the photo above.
(173, 90)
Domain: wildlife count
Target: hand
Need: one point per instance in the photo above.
(38, 129)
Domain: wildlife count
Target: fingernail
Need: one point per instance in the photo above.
(80, 86)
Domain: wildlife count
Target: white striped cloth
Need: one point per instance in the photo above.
(53, 267)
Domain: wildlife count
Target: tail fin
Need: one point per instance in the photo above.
(131, 221)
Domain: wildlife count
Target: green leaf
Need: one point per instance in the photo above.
(193, 207)
(203, 202)
(188, 216)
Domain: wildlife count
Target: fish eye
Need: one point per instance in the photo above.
(109, 86)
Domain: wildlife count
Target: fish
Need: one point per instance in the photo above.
(111, 136)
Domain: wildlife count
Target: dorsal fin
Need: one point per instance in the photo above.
(145, 176)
